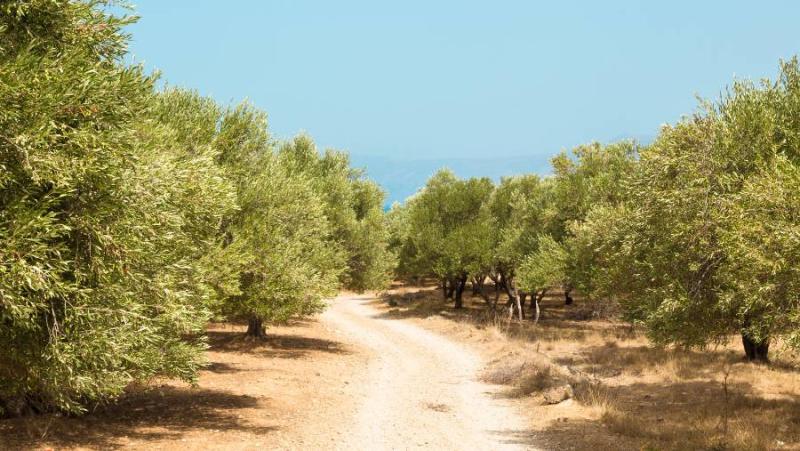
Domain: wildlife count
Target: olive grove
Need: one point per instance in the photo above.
(130, 216)
(695, 235)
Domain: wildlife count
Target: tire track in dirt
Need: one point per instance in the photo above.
(421, 389)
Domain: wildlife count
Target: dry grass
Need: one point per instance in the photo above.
(524, 377)
(628, 394)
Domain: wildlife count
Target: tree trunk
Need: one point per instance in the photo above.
(513, 297)
(536, 298)
(255, 328)
(567, 298)
(450, 289)
(477, 285)
(444, 288)
(461, 283)
(755, 351)
(496, 294)
(522, 296)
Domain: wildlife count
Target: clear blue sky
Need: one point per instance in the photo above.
(443, 79)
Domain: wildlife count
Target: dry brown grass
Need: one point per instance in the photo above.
(524, 376)
(628, 394)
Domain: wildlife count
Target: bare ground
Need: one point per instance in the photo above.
(423, 389)
(628, 394)
(403, 371)
(354, 379)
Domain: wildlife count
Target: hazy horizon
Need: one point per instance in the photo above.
(463, 80)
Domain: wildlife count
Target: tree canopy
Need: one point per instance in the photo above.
(694, 235)
(132, 215)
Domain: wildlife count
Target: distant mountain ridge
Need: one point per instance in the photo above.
(402, 177)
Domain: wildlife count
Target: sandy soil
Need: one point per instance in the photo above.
(354, 379)
(422, 390)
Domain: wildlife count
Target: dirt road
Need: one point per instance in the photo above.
(422, 389)
(351, 379)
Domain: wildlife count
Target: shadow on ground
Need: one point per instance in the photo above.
(639, 396)
(274, 345)
(157, 413)
(168, 412)
(556, 320)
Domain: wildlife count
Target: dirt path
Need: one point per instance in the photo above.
(422, 389)
(349, 380)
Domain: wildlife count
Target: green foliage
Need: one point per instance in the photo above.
(550, 221)
(706, 232)
(762, 271)
(592, 246)
(695, 235)
(519, 206)
(282, 235)
(545, 267)
(371, 262)
(104, 219)
(354, 207)
(593, 178)
(449, 231)
(128, 216)
(399, 243)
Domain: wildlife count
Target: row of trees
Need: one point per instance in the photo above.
(696, 235)
(130, 216)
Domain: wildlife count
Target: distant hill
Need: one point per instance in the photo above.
(402, 177)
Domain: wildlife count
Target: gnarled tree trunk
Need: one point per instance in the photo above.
(255, 328)
(536, 298)
(477, 284)
(755, 351)
(522, 296)
(567, 298)
(460, 284)
(513, 296)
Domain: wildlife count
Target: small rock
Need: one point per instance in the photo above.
(556, 395)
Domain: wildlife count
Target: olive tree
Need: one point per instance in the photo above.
(688, 256)
(280, 236)
(104, 218)
(520, 208)
(352, 204)
(449, 231)
(762, 270)
(592, 178)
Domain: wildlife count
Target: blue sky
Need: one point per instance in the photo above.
(462, 79)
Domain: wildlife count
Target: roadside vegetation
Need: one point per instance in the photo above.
(694, 237)
(626, 281)
(655, 284)
(130, 216)
(589, 380)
